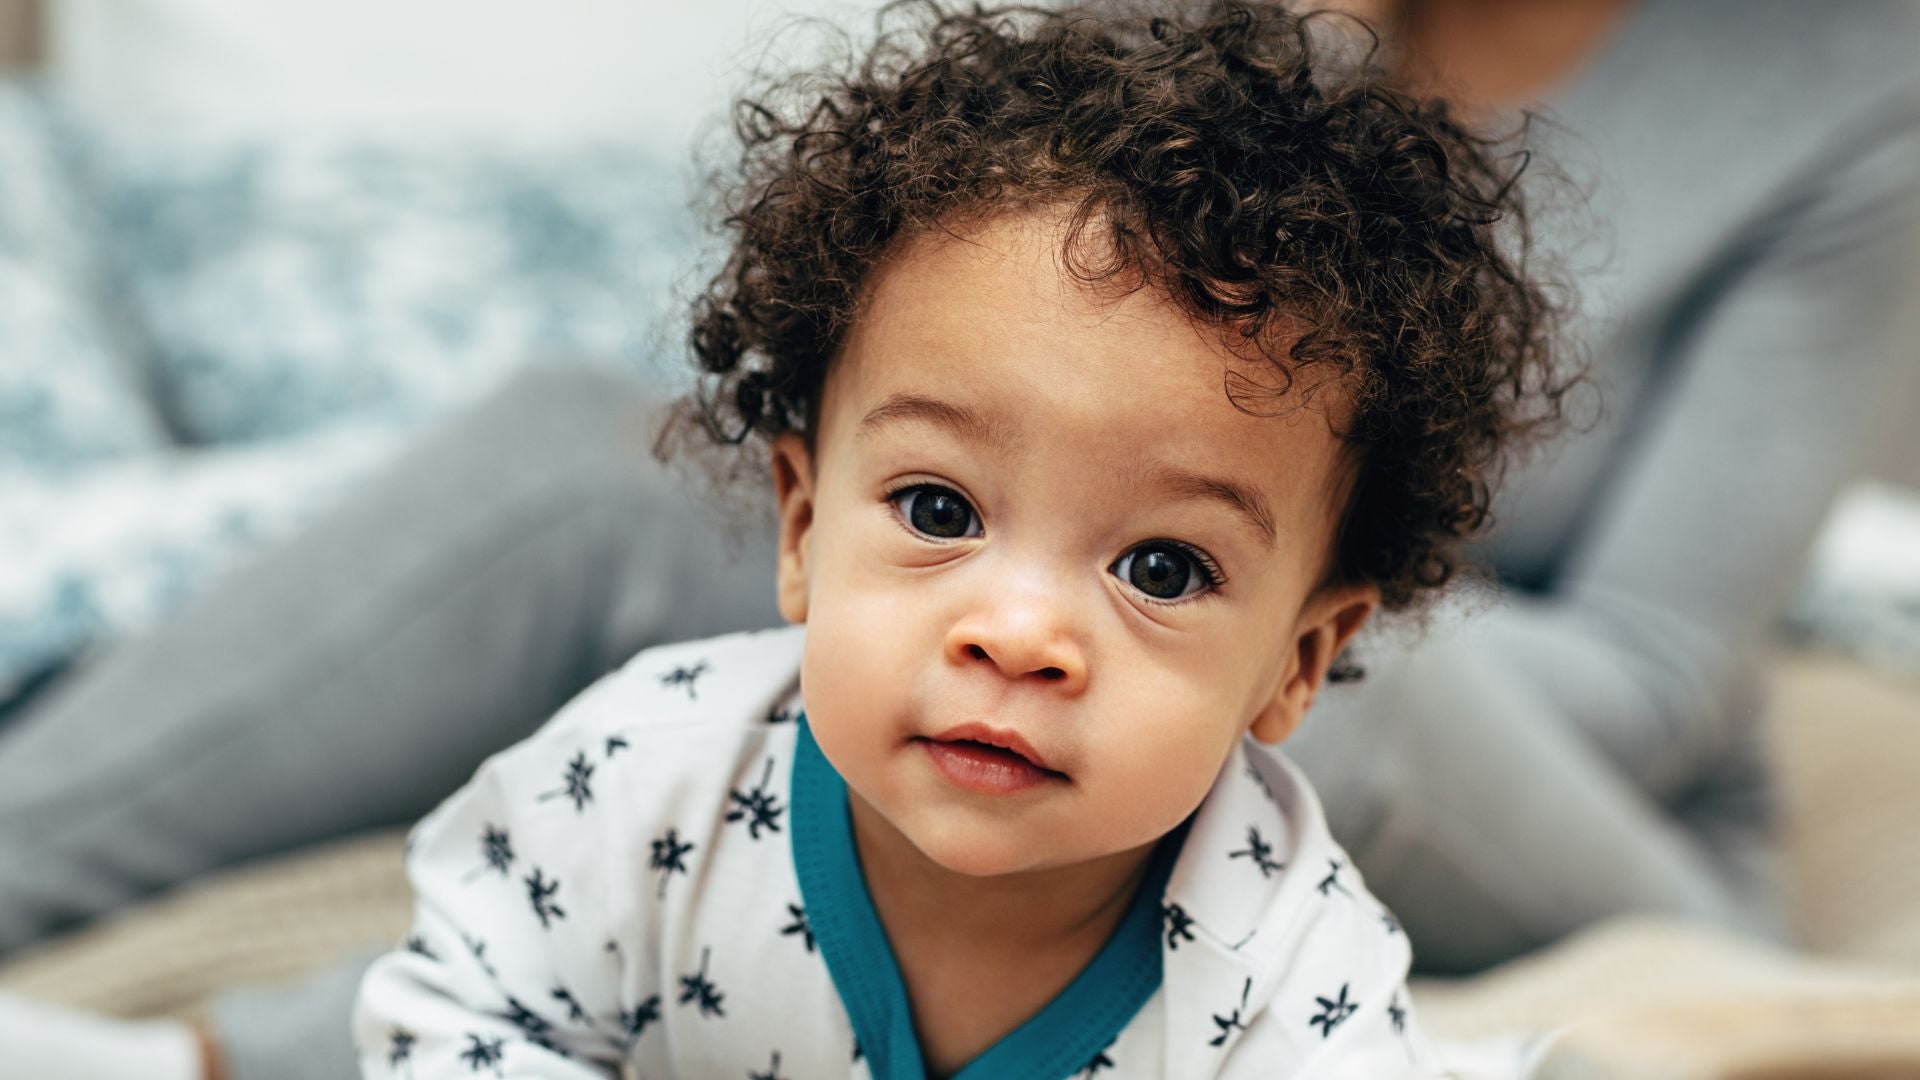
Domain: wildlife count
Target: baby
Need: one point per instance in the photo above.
(1113, 370)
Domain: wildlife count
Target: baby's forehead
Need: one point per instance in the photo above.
(1044, 270)
(996, 313)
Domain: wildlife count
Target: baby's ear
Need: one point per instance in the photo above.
(1328, 620)
(793, 488)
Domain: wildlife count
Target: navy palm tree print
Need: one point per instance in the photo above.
(1260, 852)
(479, 950)
(482, 1053)
(540, 893)
(1333, 1012)
(798, 925)
(496, 853)
(1227, 1023)
(1178, 924)
(685, 676)
(757, 805)
(534, 1027)
(1332, 880)
(576, 1013)
(635, 1021)
(697, 988)
(669, 857)
(576, 784)
(400, 1050)
(1259, 779)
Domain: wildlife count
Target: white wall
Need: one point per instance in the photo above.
(523, 69)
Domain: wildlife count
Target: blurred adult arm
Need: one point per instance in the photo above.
(1695, 543)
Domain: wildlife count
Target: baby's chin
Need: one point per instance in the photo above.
(982, 850)
(1001, 852)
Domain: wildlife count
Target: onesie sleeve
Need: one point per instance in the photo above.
(504, 973)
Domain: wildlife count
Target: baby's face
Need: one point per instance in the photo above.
(1032, 516)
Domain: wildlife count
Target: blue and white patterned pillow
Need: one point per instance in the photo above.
(290, 282)
(70, 393)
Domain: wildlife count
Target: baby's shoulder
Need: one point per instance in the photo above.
(584, 856)
(1267, 915)
(735, 679)
(1261, 870)
(669, 727)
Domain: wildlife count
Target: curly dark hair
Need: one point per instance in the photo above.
(1260, 172)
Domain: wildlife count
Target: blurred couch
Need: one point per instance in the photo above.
(245, 252)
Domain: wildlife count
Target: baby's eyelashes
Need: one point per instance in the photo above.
(1167, 570)
(1164, 571)
(936, 512)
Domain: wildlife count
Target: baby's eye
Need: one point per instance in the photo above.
(1165, 570)
(936, 511)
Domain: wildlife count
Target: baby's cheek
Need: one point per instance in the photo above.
(832, 682)
(1176, 789)
(860, 630)
(856, 681)
(1160, 775)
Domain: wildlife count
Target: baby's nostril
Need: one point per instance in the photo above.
(976, 652)
(1052, 673)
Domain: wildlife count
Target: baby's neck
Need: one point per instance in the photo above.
(980, 956)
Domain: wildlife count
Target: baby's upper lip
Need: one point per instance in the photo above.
(1006, 740)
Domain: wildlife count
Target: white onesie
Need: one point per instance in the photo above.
(662, 879)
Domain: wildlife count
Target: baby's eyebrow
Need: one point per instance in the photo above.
(956, 418)
(1241, 499)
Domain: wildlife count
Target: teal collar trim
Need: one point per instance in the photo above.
(1058, 1041)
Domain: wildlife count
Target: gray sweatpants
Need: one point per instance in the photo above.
(355, 677)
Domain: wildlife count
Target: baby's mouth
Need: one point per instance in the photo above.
(976, 758)
(995, 744)
(987, 749)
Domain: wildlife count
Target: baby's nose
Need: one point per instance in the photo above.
(1022, 638)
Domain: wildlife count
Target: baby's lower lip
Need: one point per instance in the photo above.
(986, 769)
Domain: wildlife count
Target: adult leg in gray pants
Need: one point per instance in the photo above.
(355, 677)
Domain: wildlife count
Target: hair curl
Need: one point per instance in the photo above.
(1269, 181)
